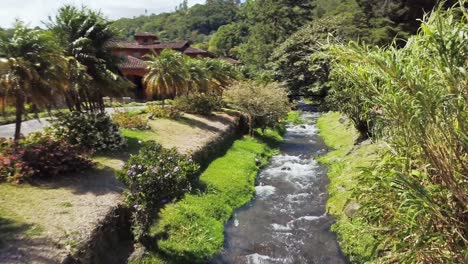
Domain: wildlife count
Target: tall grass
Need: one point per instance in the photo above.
(415, 100)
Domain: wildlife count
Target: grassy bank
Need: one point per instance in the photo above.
(192, 230)
(346, 163)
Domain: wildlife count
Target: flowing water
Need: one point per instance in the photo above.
(286, 222)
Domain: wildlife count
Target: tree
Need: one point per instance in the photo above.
(270, 22)
(225, 42)
(265, 104)
(220, 74)
(32, 69)
(196, 23)
(84, 34)
(198, 75)
(301, 61)
(167, 76)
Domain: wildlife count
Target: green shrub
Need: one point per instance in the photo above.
(191, 230)
(414, 200)
(199, 103)
(165, 102)
(294, 117)
(154, 177)
(37, 156)
(265, 104)
(95, 132)
(164, 112)
(130, 120)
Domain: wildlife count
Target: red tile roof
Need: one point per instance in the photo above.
(231, 60)
(192, 50)
(156, 46)
(130, 62)
(145, 34)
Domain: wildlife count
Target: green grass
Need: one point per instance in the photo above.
(346, 163)
(191, 230)
(294, 117)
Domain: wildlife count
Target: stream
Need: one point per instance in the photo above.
(286, 222)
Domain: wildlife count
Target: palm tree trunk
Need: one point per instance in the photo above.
(19, 115)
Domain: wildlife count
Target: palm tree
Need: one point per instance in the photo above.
(220, 74)
(167, 76)
(32, 68)
(198, 75)
(84, 34)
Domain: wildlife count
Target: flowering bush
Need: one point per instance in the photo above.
(130, 120)
(90, 131)
(38, 156)
(153, 177)
(164, 112)
(202, 104)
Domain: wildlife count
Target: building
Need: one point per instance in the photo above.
(133, 66)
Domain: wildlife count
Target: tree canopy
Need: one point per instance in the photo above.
(196, 23)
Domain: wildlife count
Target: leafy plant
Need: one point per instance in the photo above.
(415, 199)
(302, 62)
(130, 120)
(94, 132)
(84, 34)
(265, 104)
(203, 104)
(32, 68)
(39, 156)
(164, 112)
(154, 177)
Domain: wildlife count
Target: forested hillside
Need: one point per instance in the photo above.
(252, 30)
(196, 23)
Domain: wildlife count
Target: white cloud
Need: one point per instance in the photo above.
(35, 11)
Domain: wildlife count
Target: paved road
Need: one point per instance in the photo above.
(30, 126)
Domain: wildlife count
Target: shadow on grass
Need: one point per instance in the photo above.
(9, 229)
(100, 180)
(198, 124)
(271, 137)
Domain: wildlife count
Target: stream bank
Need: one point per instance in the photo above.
(287, 221)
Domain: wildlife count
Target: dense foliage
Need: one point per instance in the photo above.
(164, 112)
(154, 177)
(196, 23)
(32, 69)
(301, 61)
(131, 120)
(94, 132)
(415, 100)
(39, 156)
(173, 74)
(84, 34)
(202, 104)
(68, 63)
(264, 104)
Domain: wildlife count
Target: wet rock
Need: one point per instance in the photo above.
(138, 254)
(257, 162)
(351, 209)
(286, 169)
(303, 126)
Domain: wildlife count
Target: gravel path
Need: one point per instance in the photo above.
(30, 126)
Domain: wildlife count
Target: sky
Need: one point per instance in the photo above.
(35, 11)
